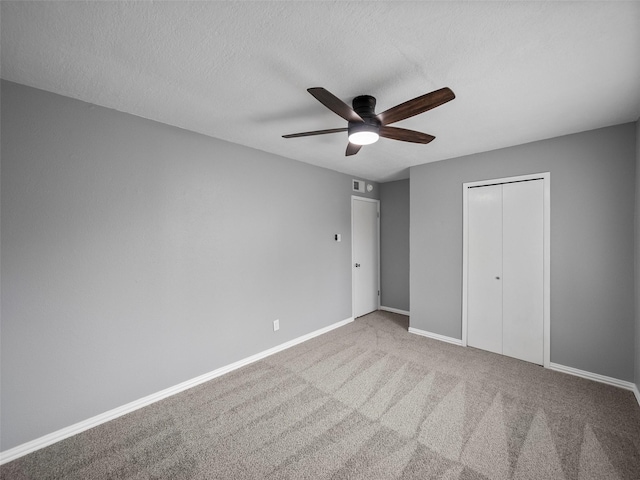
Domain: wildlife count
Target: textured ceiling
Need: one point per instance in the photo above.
(521, 71)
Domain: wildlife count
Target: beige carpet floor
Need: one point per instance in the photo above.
(365, 401)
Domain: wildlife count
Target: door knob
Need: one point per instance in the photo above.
(357, 265)
(497, 278)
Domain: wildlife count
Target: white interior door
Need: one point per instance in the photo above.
(505, 284)
(522, 253)
(365, 255)
(484, 294)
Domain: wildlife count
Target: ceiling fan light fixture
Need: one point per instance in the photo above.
(363, 133)
(366, 127)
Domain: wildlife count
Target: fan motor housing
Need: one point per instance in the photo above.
(365, 106)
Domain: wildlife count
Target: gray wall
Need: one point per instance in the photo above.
(592, 242)
(394, 244)
(136, 256)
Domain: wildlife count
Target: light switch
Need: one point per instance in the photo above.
(338, 237)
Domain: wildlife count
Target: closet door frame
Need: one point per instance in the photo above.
(546, 178)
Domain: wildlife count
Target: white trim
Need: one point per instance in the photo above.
(465, 260)
(546, 176)
(435, 336)
(395, 310)
(596, 377)
(547, 269)
(552, 366)
(353, 277)
(51, 438)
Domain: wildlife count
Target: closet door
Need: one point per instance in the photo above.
(523, 260)
(505, 269)
(484, 291)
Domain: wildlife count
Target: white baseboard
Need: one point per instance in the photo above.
(395, 310)
(596, 377)
(435, 336)
(51, 438)
(552, 366)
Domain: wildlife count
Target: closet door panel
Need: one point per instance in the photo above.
(523, 260)
(484, 295)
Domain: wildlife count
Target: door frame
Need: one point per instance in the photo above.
(353, 276)
(546, 178)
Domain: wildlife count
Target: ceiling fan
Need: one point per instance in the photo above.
(365, 126)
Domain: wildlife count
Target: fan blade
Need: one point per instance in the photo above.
(316, 132)
(416, 106)
(334, 104)
(352, 149)
(405, 135)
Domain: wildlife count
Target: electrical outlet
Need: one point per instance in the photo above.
(276, 325)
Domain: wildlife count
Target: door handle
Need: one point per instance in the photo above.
(357, 265)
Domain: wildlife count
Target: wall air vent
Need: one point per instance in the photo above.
(358, 186)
